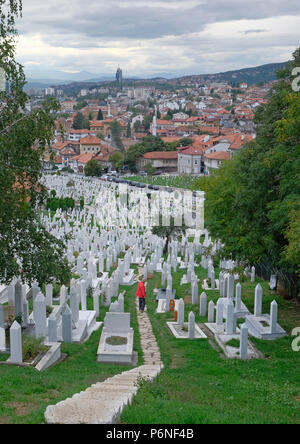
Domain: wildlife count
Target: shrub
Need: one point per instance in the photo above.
(31, 347)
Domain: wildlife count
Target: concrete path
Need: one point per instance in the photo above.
(104, 402)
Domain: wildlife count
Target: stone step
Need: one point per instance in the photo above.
(103, 402)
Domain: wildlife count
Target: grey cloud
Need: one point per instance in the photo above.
(163, 34)
(100, 19)
(254, 31)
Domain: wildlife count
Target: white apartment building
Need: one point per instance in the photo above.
(190, 160)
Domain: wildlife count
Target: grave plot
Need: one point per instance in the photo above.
(264, 326)
(185, 330)
(116, 342)
(182, 331)
(233, 348)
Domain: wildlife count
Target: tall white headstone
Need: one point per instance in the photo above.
(16, 343)
(40, 319)
(49, 294)
(273, 317)
(229, 319)
(238, 297)
(191, 325)
(180, 315)
(83, 295)
(52, 328)
(67, 324)
(203, 304)
(211, 312)
(258, 300)
(244, 342)
(220, 312)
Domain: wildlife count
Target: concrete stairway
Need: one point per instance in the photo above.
(103, 403)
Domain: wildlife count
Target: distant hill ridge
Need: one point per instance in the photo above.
(258, 74)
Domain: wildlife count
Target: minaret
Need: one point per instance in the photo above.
(154, 124)
(108, 111)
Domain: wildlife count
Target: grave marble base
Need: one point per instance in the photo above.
(116, 354)
(256, 328)
(85, 326)
(207, 288)
(128, 279)
(52, 356)
(162, 306)
(161, 294)
(104, 277)
(184, 280)
(182, 265)
(215, 329)
(234, 352)
(159, 268)
(139, 261)
(243, 312)
(179, 333)
(95, 284)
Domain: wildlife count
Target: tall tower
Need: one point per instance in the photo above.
(119, 77)
(154, 124)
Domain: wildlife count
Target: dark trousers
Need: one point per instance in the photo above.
(142, 303)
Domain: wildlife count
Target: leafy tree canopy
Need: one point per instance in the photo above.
(117, 158)
(93, 168)
(26, 248)
(80, 122)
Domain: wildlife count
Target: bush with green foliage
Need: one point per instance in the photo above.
(31, 347)
(93, 168)
(64, 203)
(117, 159)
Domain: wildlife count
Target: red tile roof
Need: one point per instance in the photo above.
(191, 151)
(221, 155)
(90, 140)
(161, 155)
(83, 158)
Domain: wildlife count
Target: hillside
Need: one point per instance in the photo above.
(259, 74)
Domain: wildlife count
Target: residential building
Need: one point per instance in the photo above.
(90, 144)
(190, 160)
(161, 161)
(213, 161)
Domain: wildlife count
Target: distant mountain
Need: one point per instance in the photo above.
(44, 79)
(258, 74)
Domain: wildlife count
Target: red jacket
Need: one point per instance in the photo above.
(141, 292)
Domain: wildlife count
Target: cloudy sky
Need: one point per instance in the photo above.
(147, 37)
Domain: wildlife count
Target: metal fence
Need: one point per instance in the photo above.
(288, 282)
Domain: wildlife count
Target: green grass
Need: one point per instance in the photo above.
(25, 393)
(182, 181)
(233, 343)
(198, 386)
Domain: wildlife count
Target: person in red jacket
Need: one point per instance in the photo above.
(141, 294)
